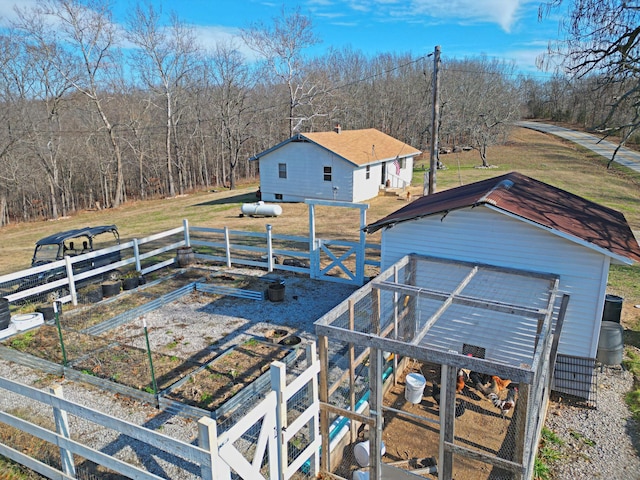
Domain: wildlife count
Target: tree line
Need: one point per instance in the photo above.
(97, 113)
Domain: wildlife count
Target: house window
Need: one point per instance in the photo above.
(278, 196)
(282, 170)
(403, 163)
(368, 172)
(327, 174)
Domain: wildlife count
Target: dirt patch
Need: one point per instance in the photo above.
(131, 366)
(479, 426)
(228, 374)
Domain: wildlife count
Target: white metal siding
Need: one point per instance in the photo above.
(305, 174)
(485, 236)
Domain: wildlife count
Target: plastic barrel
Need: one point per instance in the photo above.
(610, 345)
(612, 308)
(414, 387)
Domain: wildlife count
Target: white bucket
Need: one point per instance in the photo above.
(360, 475)
(361, 452)
(414, 387)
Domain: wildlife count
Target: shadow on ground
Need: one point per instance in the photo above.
(240, 198)
(631, 337)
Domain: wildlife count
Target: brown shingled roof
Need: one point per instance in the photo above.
(535, 201)
(362, 146)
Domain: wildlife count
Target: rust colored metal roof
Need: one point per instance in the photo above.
(530, 199)
(361, 147)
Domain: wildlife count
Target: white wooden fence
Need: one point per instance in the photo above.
(312, 256)
(216, 454)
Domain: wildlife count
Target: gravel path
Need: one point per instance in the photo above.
(601, 443)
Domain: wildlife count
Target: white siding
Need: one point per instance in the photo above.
(406, 173)
(305, 174)
(485, 236)
(364, 188)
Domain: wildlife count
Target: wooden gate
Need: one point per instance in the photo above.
(327, 255)
(266, 444)
(271, 458)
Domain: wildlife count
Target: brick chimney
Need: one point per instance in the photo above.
(337, 128)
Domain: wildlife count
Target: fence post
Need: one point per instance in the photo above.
(56, 309)
(314, 427)
(185, 226)
(313, 259)
(361, 252)
(72, 283)
(278, 384)
(62, 428)
(208, 440)
(227, 246)
(136, 254)
(153, 373)
(269, 249)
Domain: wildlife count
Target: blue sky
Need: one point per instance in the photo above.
(504, 29)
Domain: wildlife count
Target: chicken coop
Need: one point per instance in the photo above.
(445, 366)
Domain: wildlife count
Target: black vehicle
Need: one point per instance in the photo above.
(71, 243)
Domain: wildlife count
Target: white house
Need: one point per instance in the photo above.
(342, 165)
(518, 222)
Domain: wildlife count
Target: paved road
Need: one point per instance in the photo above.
(626, 157)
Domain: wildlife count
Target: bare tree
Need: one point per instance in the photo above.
(166, 57)
(480, 102)
(281, 45)
(602, 38)
(232, 82)
(87, 28)
(40, 99)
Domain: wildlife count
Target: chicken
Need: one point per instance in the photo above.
(435, 393)
(478, 379)
(508, 403)
(495, 385)
(461, 380)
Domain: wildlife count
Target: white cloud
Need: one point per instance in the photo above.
(501, 12)
(7, 9)
(210, 36)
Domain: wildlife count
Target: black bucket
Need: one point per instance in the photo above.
(48, 313)
(111, 289)
(612, 308)
(130, 283)
(275, 292)
(5, 314)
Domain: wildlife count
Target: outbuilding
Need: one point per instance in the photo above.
(515, 221)
(341, 165)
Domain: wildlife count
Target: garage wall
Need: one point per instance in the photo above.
(486, 236)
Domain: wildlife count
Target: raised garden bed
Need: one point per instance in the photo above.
(44, 342)
(229, 373)
(130, 366)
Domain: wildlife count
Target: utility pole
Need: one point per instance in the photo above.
(435, 122)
